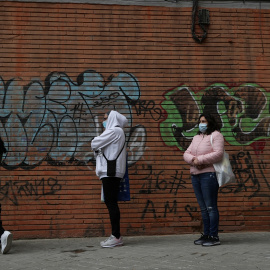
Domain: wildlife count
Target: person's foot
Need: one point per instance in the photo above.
(6, 242)
(201, 240)
(212, 241)
(112, 241)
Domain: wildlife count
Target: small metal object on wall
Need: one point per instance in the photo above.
(204, 21)
(204, 16)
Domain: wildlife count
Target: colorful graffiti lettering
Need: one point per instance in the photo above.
(55, 121)
(242, 112)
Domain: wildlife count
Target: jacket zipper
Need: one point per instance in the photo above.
(199, 145)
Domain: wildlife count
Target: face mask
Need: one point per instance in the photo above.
(202, 127)
(104, 124)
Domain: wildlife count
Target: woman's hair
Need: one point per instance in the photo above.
(108, 113)
(212, 123)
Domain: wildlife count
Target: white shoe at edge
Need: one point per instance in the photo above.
(6, 242)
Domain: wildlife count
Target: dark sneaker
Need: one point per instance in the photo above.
(212, 241)
(201, 240)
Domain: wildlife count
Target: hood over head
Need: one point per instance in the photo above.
(116, 119)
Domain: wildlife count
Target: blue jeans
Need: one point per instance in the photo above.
(205, 186)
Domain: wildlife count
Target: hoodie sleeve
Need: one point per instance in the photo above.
(106, 138)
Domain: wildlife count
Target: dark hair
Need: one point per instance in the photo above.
(108, 112)
(212, 123)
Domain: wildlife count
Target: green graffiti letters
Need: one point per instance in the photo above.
(242, 112)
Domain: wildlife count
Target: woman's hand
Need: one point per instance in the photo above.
(195, 164)
(200, 167)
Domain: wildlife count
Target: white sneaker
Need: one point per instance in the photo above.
(112, 241)
(6, 241)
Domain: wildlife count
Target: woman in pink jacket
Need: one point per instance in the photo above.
(201, 155)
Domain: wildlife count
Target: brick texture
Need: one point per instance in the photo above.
(63, 65)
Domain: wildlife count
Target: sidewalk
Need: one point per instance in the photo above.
(238, 251)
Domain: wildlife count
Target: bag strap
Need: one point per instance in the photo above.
(121, 149)
(211, 141)
(118, 154)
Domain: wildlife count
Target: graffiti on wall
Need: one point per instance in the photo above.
(34, 189)
(243, 115)
(56, 120)
(242, 112)
(158, 182)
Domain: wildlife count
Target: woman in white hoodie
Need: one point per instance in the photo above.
(111, 145)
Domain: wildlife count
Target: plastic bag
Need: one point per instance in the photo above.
(224, 170)
(124, 190)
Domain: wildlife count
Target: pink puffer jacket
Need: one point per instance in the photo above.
(202, 149)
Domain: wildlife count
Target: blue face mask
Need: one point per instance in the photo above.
(202, 127)
(104, 124)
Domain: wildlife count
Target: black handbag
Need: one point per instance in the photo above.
(111, 164)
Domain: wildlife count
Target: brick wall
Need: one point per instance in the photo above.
(63, 65)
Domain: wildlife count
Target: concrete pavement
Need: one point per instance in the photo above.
(238, 251)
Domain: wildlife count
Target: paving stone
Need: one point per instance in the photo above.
(238, 251)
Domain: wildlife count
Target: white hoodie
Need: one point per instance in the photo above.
(111, 142)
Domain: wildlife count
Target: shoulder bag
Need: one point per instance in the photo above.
(223, 169)
(111, 164)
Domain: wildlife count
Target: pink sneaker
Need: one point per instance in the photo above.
(112, 241)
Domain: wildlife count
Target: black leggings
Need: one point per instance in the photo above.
(1, 227)
(111, 190)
